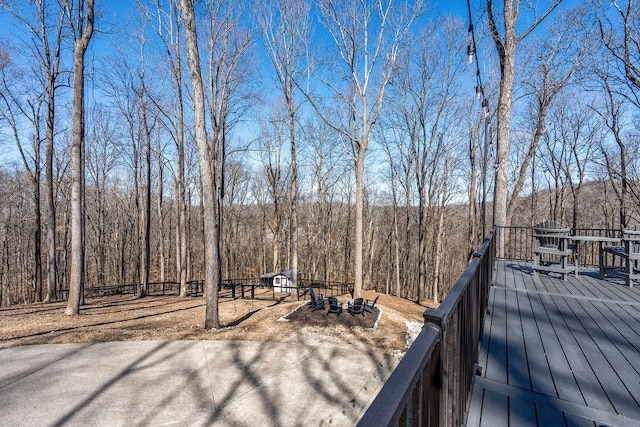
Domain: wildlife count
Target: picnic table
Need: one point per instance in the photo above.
(629, 252)
(601, 240)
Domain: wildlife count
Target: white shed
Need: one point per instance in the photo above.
(281, 282)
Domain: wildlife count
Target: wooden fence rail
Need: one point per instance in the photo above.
(239, 288)
(194, 288)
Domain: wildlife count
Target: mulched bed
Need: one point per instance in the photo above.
(308, 316)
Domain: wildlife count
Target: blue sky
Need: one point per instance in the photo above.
(117, 16)
(121, 9)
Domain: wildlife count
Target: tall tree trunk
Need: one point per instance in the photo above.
(359, 228)
(396, 234)
(49, 197)
(507, 68)
(212, 265)
(37, 233)
(182, 204)
(52, 63)
(439, 235)
(506, 44)
(182, 207)
(139, 220)
(76, 279)
(293, 196)
(146, 214)
(161, 245)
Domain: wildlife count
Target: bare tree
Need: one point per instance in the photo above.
(613, 111)
(16, 108)
(81, 18)
(237, 242)
(423, 100)
(328, 168)
(51, 56)
(571, 140)
(369, 37)
(551, 65)
(160, 162)
(148, 121)
(211, 217)
(102, 154)
(271, 193)
(285, 27)
(506, 40)
(165, 21)
(401, 170)
(229, 68)
(44, 26)
(619, 35)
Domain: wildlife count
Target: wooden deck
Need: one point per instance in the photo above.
(558, 353)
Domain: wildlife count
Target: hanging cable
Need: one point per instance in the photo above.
(472, 53)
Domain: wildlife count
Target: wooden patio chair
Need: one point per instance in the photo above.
(317, 304)
(631, 241)
(334, 307)
(357, 307)
(370, 306)
(552, 240)
(312, 295)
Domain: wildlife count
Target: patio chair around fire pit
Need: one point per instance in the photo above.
(334, 306)
(371, 305)
(357, 307)
(313, 297)
(317, 304)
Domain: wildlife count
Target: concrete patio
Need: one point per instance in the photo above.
(222, 383)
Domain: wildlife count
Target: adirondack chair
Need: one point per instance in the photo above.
(313, 296)
(317, 304)
(357, 307)
(334, 306)
(631, 242)
(552, 240)
(630, 253)
(370, 306)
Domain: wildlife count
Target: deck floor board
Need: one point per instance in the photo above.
(558, 352)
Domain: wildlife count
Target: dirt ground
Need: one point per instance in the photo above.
(126, 318)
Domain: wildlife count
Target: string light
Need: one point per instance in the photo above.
(471, 52)
(471, 55)
(479, 89)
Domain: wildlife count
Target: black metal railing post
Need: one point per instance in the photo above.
(445, 353)
(412, 397)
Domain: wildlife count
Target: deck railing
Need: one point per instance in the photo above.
(432, 383)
